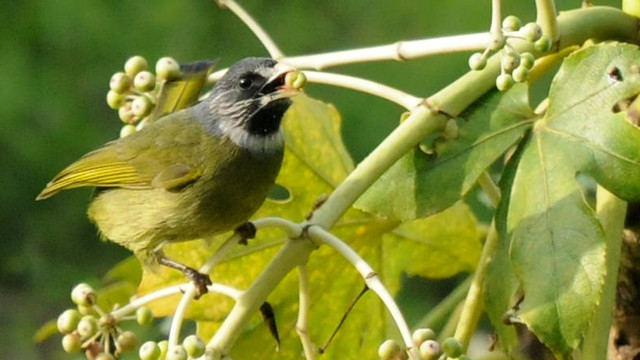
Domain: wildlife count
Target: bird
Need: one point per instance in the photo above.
(194, 173)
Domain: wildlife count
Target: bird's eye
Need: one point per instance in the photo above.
(245, 83)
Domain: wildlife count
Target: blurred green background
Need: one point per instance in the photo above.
(56, 58)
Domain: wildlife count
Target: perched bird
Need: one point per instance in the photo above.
(191, 174)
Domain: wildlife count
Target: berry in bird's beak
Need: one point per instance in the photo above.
(286, 82)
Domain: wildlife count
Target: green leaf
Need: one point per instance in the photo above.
(419, 185)
(438, 246)
(315, 162)
(557, 244)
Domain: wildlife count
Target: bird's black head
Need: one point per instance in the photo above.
(251, 98)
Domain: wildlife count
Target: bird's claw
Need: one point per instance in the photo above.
(200, 281)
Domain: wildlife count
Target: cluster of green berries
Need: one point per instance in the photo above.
(514, 66)
(134, 91)
(429, 349)
(192, 347)
(88, 328)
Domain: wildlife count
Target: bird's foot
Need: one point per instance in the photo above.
(200, 281)
(246, 231)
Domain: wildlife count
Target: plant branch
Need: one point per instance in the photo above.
(294, 253)
(253, 25)
(401, 98)
(611, 212)
(472, 309)
(372, 280)
(168, 291)
(547, 18)
(398, 51)
(302, 325)
(496, 17)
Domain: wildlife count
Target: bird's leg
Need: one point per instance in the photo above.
(246, 231)
(199, 279)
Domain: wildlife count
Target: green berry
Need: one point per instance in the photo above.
(104, 356)
(164, 348)
(127, 341)
(464, 357)
(120, 82)
(87, 327)
(194, 346)
(167, 68)
(509, 61)
(452, 347)
(68, 321)
(115, 100)
(504, 82)
(543, 44)
(176, 353)
(83, 295)
(421, 335)
(497, 42)
(520, 74)
(144, 316)
(126, 114)
(295, 79)
(527, 60)
(141, 106)
(149, 351)
(127, 130)
(135, 64)
(429, 350)
(389, 350)
(531, 32)
(144, 81)
(511, 23)
(71, 343)
(477, 61)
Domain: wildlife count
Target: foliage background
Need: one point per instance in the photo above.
(56, 58)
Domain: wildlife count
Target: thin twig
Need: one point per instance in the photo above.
(398, 51)
(401, 98)
(496, 17)
(253, 25)
(168, 291)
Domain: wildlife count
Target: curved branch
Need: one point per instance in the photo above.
(253, 25)
(366, 86)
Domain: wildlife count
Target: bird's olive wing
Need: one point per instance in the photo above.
(159, 158)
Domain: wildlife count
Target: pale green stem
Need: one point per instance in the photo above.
(496, 17)
(304, 303)
(294, 253)
(473, 305)
(440, 312)
(547, 18)
(401, 98)
(398, 51)
(450, 326)
(611, 212)
(253, 25)
(421, 122)
(472, 309)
